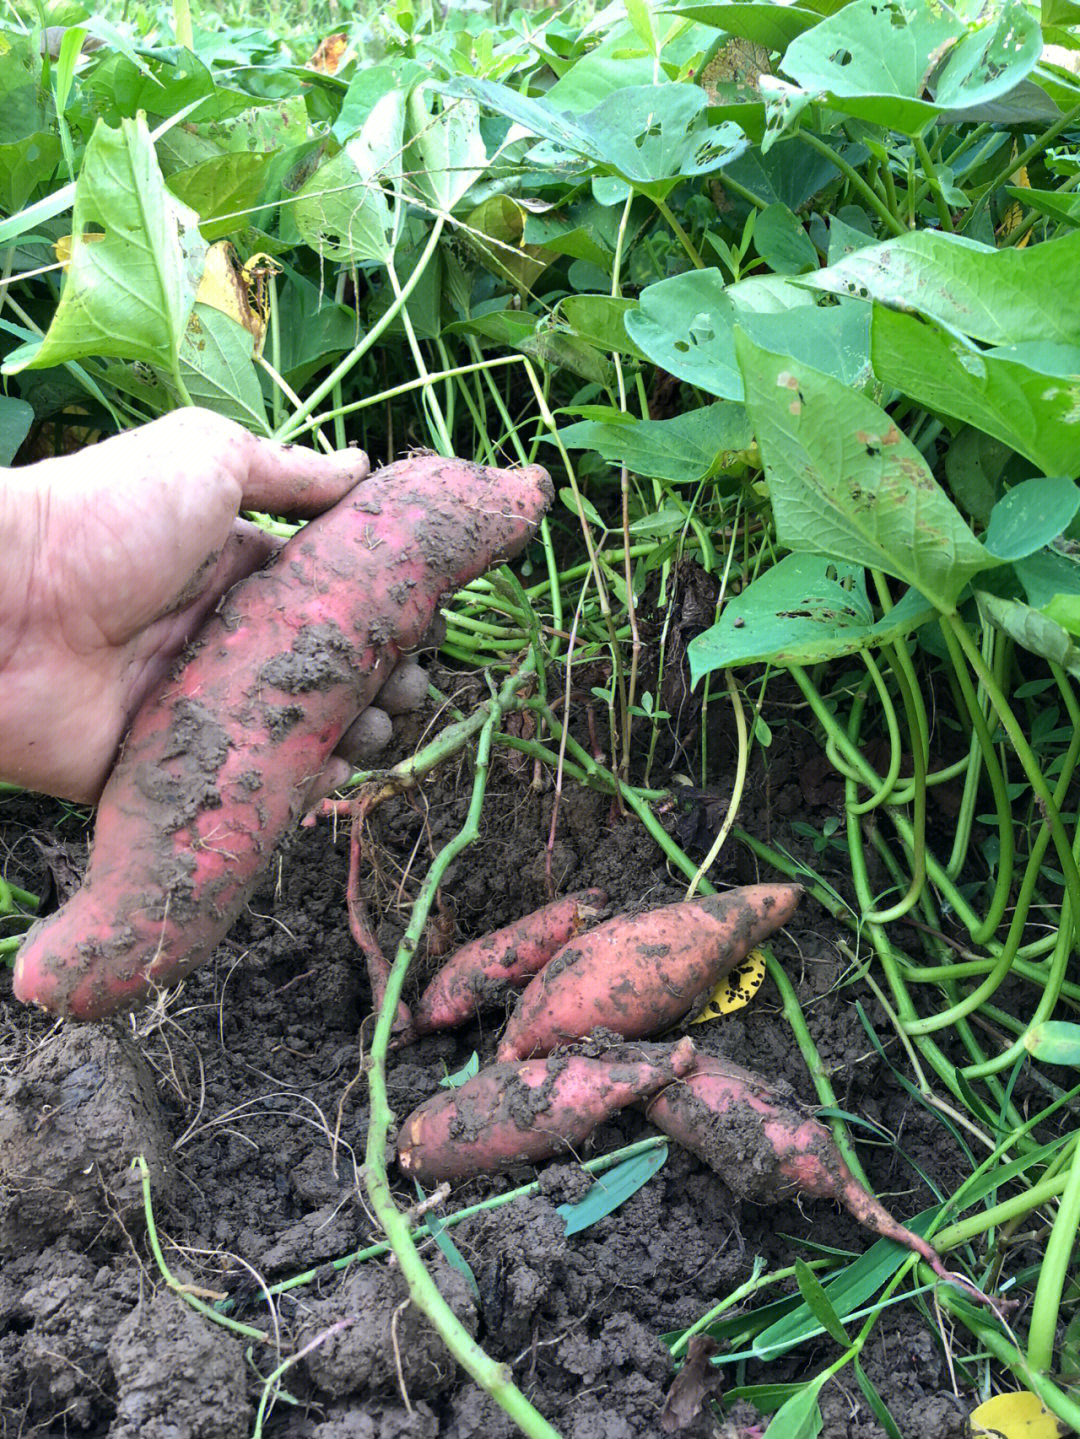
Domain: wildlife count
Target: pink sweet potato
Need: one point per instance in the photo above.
(765, 1145)
(479, 975)
(524, 1112)
(637, 975)
(218, 762)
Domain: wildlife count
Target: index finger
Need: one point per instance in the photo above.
(280, 479)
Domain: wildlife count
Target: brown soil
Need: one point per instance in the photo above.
(244, 1094)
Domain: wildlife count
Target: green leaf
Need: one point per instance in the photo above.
(974, 464)
(349, 209)
(447, 154)
(130, 294)
(24, 165)
(782, 243)
(16, 417)
(470, 1068)
(818, 1303)
(773, 26)
(312, 328)
(877, 1404)
(217, 368)
(1048, 202)
(650, 135)
(450, 1252)
(688, 448)
(1029, 516)
(495, 230)
(1034, 408)
(1046, 575)
(1054, 1041)
(847, 1293)
(799, 1417)
(586, 507)
(599, 320)
(1001, 297)
(686, 325)
(805, 610)
(225, 186)
(612, 1189)
(1032, 629)
(874, 61)
(844, 480)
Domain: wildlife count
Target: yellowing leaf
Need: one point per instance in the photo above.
(226, 287)
(735, 989)
(1015, 1416)
(62, 247)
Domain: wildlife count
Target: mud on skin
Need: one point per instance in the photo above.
(257, 1051)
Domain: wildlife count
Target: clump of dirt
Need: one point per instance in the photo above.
(246, 1094)
(73, 1114)
(176, 1375)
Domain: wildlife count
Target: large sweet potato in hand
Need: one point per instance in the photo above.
(524, 1112)
(637, 975)
(218, 762)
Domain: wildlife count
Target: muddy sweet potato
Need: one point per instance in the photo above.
(637, 975)
(218, 762)
(480, 974)
(531, 1110)
(765, 1145)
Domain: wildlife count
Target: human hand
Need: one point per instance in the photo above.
(113, 559)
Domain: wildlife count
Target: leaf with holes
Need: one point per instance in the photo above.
(876, 58)
(805, 610)
(686, 326)
(845, 481)
(1002, 297)
(447, 154)
(649, 135)
(350, 208)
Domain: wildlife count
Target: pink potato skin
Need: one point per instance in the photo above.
(638, 975)
(217, 764)
(531, 1110)
(765, 1145)
(479, 974)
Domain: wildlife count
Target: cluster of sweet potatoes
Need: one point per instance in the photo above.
(632, 976)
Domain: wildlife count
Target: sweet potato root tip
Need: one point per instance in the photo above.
(764, 1144)
(639, 974)
(218, 761)
(527, 1111)
(480, 974)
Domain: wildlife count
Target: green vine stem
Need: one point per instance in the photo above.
(1053, 1272)
(1005, 1352)
(293, 424)
(184, 1291)
(494, 1378)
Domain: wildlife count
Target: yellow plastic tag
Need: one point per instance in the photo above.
(735, 989)
(1015, 1416)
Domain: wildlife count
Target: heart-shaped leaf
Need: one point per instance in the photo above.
(136, 259)
(845, 481)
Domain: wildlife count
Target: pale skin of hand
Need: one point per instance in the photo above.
(112, 560)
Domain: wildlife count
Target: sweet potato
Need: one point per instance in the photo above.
(479, 975)
(521, 1113)
(219, 760)
(637, 975)
(765, 1145)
